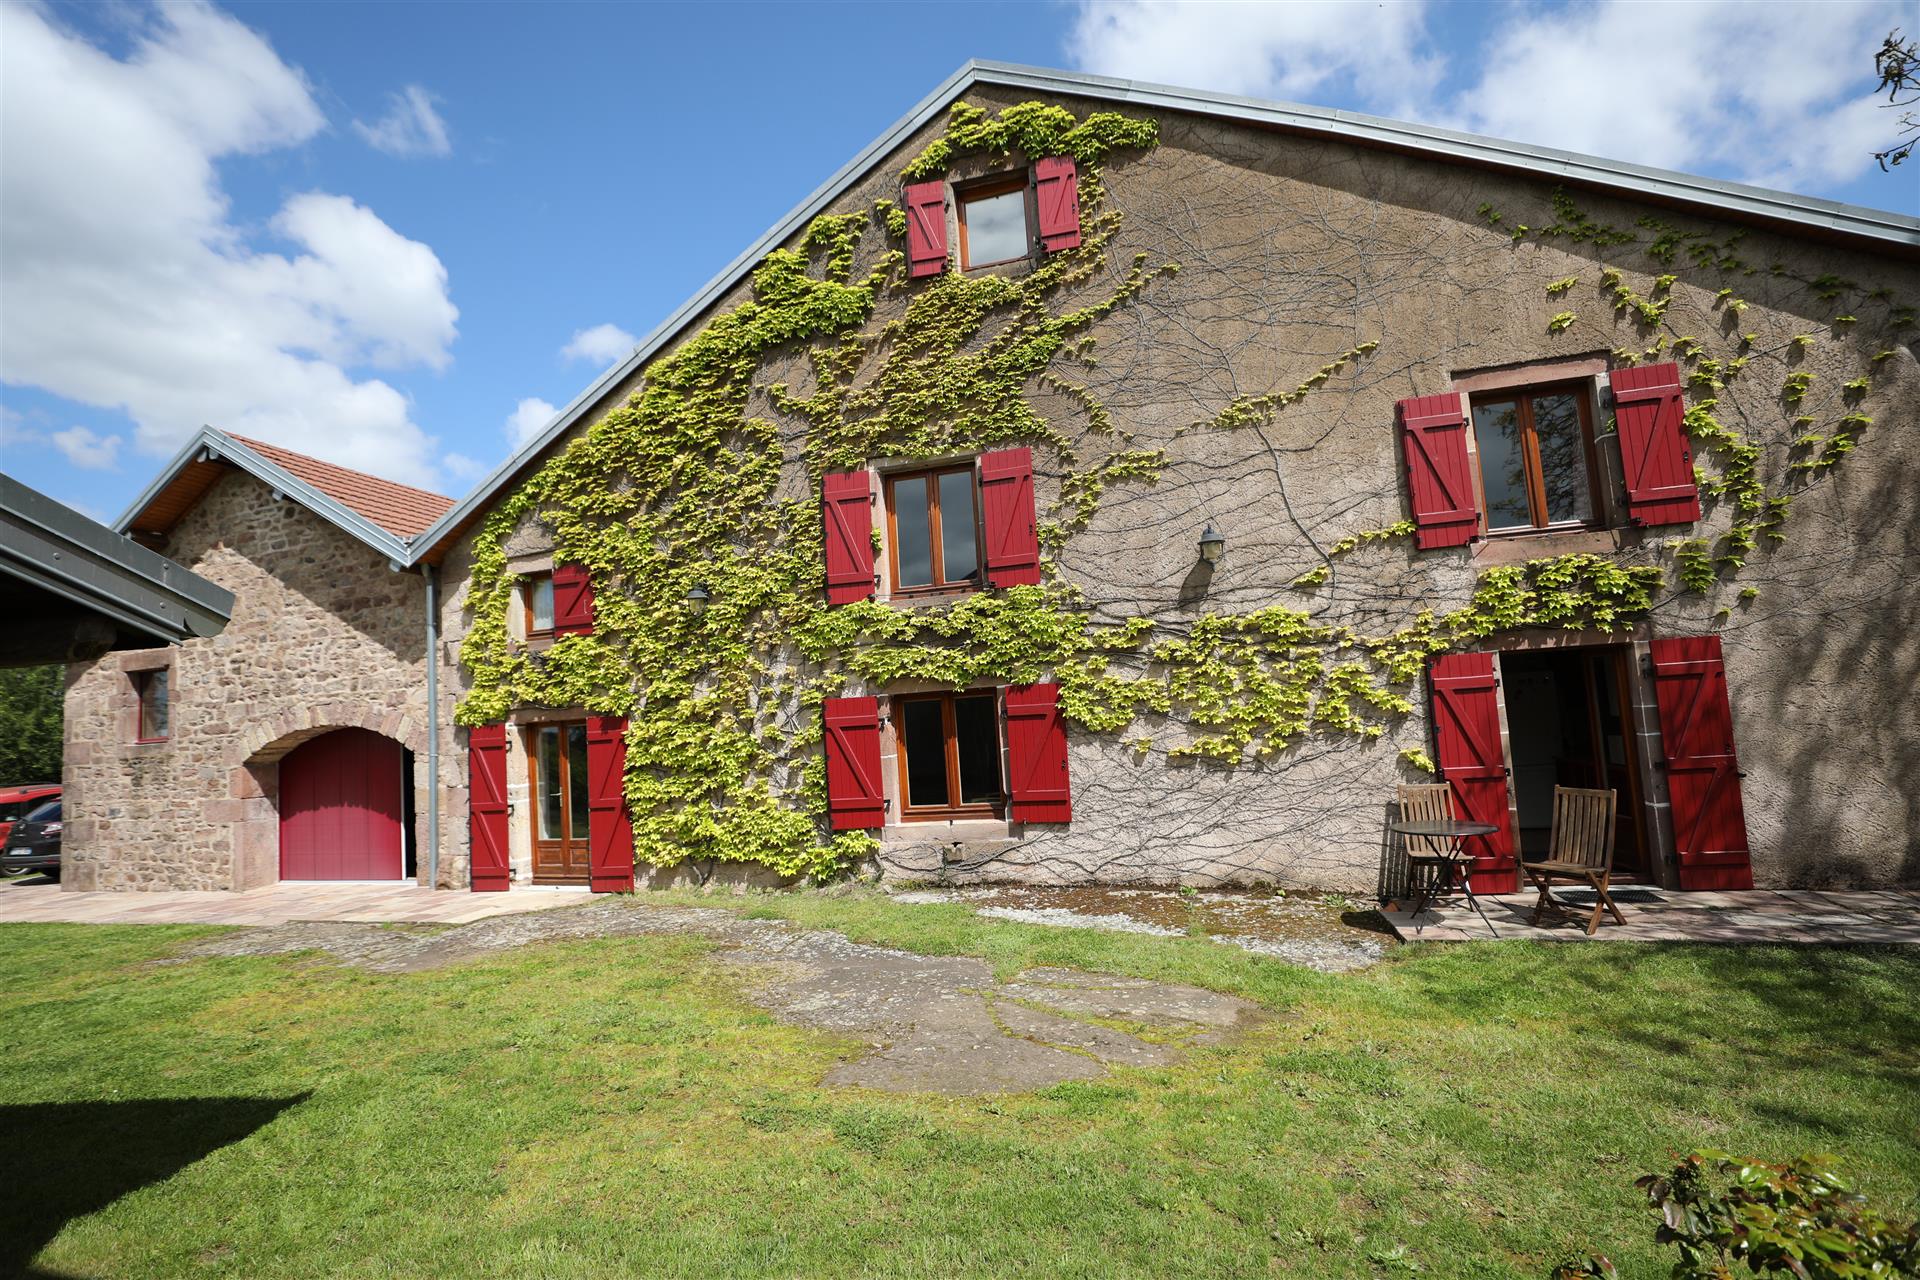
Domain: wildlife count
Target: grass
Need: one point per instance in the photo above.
(618, 1107)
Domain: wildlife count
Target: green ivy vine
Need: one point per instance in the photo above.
(708, 475)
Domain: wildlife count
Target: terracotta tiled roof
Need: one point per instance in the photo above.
(400, 509)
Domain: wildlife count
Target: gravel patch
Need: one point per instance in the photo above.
(942, 1024)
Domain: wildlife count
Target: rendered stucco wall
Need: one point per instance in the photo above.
(1293, 251)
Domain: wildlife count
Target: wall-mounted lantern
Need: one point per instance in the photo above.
(1212, 543)
(697, 599)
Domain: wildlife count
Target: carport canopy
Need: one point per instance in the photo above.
(72, 589)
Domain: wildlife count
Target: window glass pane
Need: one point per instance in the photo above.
(577, 781)
(1563, 458)
(979, 746)
(540, 600)
(923, 738)
(548, 763)
(153, 704)
(1503, 466)
(958, 559)
(996, 228)
(913, 546)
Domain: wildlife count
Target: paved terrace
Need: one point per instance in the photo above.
(33, 900)
(1666, 915)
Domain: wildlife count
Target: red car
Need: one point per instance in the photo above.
(17, 802)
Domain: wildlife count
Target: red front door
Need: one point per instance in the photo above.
(340, 806)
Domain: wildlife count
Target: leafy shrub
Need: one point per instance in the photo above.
(1797, 1219)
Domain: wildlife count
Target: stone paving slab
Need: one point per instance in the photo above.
(1815, 917)
(32, 900)
(942, 1024)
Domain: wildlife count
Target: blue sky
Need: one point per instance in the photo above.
(374, 232)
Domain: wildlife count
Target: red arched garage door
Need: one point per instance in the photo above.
(340, 808)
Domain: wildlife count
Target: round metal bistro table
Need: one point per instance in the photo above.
(1455, 834)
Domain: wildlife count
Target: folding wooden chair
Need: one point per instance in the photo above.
(1580, 851)
(1426, 855)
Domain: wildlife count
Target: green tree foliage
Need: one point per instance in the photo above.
(30, 725)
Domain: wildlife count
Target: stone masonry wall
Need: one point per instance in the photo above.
(1295, 250)
(323, 635)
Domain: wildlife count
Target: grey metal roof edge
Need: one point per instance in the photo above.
(1832, 215)
(157, 589)
(215, 441)
(1871, 224)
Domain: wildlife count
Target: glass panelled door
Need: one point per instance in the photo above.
(559, 804)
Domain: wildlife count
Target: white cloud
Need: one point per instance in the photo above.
(129, 285)
(459, 466)
(1771, 93)
(602, 344)
(86, 449)
(527, 418)
(411, 126)
(1775, 94)
(1297, 51)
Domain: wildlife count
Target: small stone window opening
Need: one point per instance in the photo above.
(151, 720)
(537, 589)
(949, 749)
(994, 222)
(933, 530)
(1537, 463)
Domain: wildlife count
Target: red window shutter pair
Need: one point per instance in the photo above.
(1007, 511)
(487, 808)
(1696, 728)
(609, 824)
(1036, 759)
(1056, 190)
(1657, 459)
(572, 600)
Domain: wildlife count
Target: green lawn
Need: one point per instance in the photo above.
(617, 1107)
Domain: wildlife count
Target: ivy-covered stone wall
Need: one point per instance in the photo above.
(1226, 347)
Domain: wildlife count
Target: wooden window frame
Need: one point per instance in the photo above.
(936, 552)
(987, 188)
(527, 581)
(950, 741)
(1522, 398)
(142, 680)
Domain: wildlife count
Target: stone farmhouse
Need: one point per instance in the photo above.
(1100, 481)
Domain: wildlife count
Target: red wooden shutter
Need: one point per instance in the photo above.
(1703, 776)
(856, 799)
(1466, 735)
(1057, 194)
(1433, 434)
(1037, 754)
(487, 807)
(1654, 452)
(1006, 508)
(572, 600)
(926, 228)
(847, 499)
(609, 825)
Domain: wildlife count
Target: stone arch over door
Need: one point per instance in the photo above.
(255, 779)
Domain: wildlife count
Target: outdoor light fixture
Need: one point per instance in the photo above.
(1212, 544)
(697, 599)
